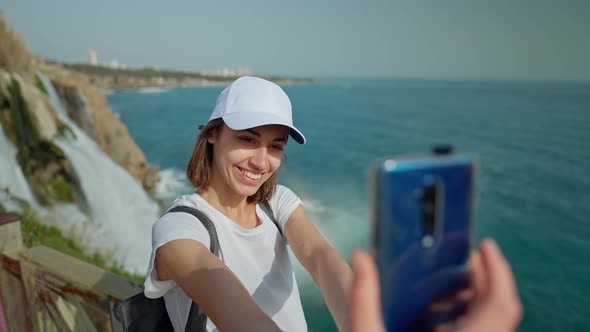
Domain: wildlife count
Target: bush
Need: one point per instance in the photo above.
(14, 56)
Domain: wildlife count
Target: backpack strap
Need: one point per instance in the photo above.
(207, 223)
(197, 319)
(265, 206)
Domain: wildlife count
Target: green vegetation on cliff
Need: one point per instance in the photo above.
(37, 234)
(40, 85)
(34, 234)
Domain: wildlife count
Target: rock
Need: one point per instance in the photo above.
(41, 115)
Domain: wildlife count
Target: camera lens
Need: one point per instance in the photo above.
(429, 203)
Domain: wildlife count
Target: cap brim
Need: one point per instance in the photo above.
(242, 121)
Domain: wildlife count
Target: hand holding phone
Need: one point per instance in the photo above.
(495, 307)
(422, 212)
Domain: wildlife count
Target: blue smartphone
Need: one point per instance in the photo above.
(422, 219)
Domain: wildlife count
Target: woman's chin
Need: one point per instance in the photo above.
(245, 190)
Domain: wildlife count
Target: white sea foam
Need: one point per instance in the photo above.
(172, 184)
(313, 205)
(152, 90)
(116, 114)
(341, 227)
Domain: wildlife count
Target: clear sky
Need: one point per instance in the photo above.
(497, 39)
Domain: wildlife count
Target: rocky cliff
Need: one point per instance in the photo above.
(29, 121)
(61, 152)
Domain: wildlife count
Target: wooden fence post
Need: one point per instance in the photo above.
(12, 293)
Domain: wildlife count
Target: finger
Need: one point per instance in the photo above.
(500, 277)
(364, 298)
(502, 287)
(450, 314)
(446, 327)
(477, 273)
(447, 303)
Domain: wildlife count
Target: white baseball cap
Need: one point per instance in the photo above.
(250, 102)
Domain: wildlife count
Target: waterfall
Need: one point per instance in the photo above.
(13, 184)
(11, 175)
(121, 212)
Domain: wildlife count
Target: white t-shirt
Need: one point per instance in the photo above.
(257, 256)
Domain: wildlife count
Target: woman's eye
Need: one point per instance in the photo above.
(277, 147)
(247, 139)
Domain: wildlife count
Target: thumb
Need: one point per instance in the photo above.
(364, 298)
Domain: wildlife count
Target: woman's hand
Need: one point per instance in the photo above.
(494, 306)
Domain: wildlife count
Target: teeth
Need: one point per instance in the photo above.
(252, 175)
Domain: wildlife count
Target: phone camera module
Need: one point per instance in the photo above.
(429, 213)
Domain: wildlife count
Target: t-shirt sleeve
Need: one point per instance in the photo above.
(283, 202)
(171, 226)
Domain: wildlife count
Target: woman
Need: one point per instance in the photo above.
(234, 168)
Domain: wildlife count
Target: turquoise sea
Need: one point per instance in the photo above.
(532, 141)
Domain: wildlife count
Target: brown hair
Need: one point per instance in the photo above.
(199, 166)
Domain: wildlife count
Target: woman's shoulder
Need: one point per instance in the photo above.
(171, 219)
(282, 192)
(191, 200)
(173, 225)
(283, 196)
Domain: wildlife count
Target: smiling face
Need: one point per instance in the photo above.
(243, 160)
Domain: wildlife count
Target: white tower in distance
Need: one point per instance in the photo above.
(93, 57)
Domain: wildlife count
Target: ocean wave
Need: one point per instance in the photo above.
(115, 113)
(172, 184)
(152, 90)
(313, 205)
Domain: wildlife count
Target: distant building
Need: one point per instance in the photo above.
(229, 72)
(93, 57)
(115, 64)
(244, 71)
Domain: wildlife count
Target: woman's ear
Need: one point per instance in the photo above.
(213, 137)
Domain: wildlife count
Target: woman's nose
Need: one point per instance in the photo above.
(260, 159)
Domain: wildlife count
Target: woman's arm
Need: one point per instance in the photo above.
(327, 268)
(211, 284)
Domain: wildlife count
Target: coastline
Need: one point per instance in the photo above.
(113, 80)
(205, 84)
